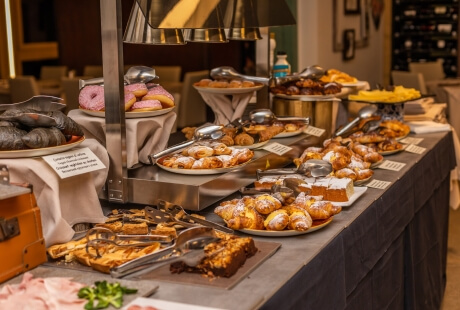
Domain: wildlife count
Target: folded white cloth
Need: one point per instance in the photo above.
(225, 109)
(419, 106)
(428, 126)
(434, 112)
(144, 136)
(62, 202)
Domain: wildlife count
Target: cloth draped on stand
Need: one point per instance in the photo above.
(226, 109)
(144, 136)
(62, 202)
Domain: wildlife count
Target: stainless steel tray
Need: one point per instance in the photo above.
(146, 184)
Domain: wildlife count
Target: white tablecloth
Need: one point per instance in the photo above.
(62, 202)
(144, 136)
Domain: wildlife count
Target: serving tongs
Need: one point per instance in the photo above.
(180, 214)
(310, 168)
(98, 238)
(289, 188)
(136, 74)
(158, 216)
(229, 73)
(188, 247)
(38, 103)
(212, 132)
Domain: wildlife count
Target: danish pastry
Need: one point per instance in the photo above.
(277, 220)
(200, 151)
(243, 139)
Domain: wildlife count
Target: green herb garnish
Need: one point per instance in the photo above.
(102, 294)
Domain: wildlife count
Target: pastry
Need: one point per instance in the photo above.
(266, 204)
(277, 220)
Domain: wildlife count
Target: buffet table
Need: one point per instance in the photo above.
(386, 251)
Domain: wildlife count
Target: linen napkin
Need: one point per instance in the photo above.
(427, 127)
(419, 106)
(62, 202)
(144, 136)
(226, 108)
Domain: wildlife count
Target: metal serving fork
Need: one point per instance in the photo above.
(39, 103)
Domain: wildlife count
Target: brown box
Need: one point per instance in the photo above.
(22, 246)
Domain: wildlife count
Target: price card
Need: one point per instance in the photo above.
(411, 140)
(74, 162)
(378, 184)
(314, 131)
(277, 148)
(415, 149)
(391, 165)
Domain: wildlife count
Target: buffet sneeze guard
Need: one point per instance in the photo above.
(147, 184)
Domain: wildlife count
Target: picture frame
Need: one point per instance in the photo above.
(352, 7)
(348, 51)
(359, 22)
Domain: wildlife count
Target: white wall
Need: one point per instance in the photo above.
(315, 43)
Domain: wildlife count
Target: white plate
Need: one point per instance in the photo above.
(286, 233)
(356, 84)
(359, 182)
(359, 191)
(165, 305)
(252, 146)
(131, 114)
(228, 91)
(41, 152)
(286, 134)
(200, 171)
(306, 97)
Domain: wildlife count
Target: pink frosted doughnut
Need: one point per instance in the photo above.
(92, 98)
(161, 94)
(146, 105)
(138, 89)
(151, 85)
(130, 99)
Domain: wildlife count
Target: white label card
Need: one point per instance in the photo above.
(378, 184)
(391, 165)
(277, 148)
(314, 131)
(411, 140)
(74, 162)
(415, 149)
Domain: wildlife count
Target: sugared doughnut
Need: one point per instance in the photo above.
(138, 89)
(161, 94)
(146, 105)
(130, 99)
(92, 98)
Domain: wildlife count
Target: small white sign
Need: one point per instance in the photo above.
(277, 148)
(314, 131)
(74, 162)
(411, 140)
(415, 149)
(391, 165)
(378, 184)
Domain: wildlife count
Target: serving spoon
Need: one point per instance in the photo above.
(136, 74)
(365, 112)
(212, 132)
(262, 116)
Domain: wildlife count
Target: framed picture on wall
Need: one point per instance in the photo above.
(352, 6)
(348, 51)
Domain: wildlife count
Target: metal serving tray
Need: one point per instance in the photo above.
(147, 184)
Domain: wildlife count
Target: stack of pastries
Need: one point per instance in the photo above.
(348, 158)
(308, 87)
(266, 212)
(207, 155)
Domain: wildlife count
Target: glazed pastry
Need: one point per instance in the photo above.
(235, 84)
(183, 163)
(337, 160)
(227, 140)
(218, 84)
(243, 139)
(266, 204)
(220, 149)
(346, 173)
(364, 174)
(228, 160)
(203, 83)
(245, 216)
(248, 84)
(277, 220)
(188, 132)
(299, 219)
(229, 131)
(207, 163)
(243, 155)
(200, 151)
(170, 160)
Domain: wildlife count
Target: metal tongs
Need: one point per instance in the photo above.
(189, 248)
(98, 238)
(310, 168)
(180, 214)
(38, 103)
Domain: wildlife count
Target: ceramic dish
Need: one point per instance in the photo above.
(288, 233)
(392, 152)
(286, 134)
(43, 151)
(359, 191)
(360, 182)
(130, 114)
(228, 91)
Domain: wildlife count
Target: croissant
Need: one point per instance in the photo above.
(300, 220)
(337, 160)
(321, 210)
(183, 163)
(229, 131)
(227, 140)
(221, 149)
(266, 204)
(346, 173)
(243, 139)
(245, 216)
(277, 220)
